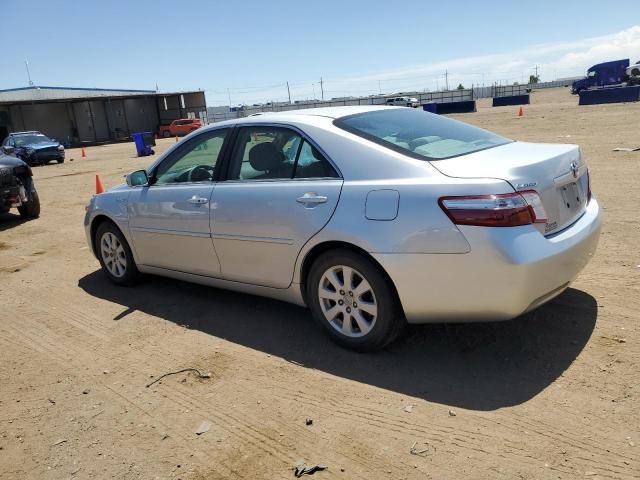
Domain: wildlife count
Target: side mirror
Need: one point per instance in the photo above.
(138, 178)
(9, 150)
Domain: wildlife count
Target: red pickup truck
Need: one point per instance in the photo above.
(180, 127)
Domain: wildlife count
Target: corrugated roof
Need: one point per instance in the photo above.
(44, 93)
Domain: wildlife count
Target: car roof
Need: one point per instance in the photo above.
(330, 112)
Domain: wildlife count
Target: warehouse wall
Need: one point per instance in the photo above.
(187, 105)
(141, 114)
(100, 119)
(117, 119)
(49, 118)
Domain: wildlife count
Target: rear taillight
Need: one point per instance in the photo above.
(501, 210)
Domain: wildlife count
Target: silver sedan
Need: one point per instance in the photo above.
(371, 216)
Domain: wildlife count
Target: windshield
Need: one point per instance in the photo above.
(420, 134)
(30, 139)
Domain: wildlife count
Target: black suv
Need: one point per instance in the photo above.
(35, 148)
(17, 188)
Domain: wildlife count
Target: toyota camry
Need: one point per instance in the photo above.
(371, 217)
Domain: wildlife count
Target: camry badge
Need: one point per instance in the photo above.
(574, 169)
(523, 186)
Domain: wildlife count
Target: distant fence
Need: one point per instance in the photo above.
(446, 96)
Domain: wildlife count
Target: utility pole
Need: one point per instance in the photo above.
(379, 87)
(446, 79)
(229, 94)
(536, 71)
(288, 92)
(322, 88)
(26, 64)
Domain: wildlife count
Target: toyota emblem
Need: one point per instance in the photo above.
(574, 169)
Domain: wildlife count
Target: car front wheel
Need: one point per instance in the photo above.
(31, 208)
(354, 301)
(115, 255)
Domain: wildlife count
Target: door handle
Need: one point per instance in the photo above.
(310, 199)
(198, 200)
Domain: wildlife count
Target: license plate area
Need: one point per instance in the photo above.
(572, 197)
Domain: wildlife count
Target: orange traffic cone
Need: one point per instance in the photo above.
(521, 111)
(84, 154)
(99, 187)
(176, 138)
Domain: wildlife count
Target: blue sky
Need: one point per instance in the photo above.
(252, 48)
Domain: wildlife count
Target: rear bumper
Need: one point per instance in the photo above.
(507, 272)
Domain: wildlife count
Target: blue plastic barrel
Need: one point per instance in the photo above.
(141, 148)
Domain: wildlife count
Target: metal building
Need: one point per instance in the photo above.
(84, 116)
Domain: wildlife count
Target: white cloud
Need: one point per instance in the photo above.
(554, 60)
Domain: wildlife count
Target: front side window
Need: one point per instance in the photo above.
(194, 162)
(420, 134)
(272, 153)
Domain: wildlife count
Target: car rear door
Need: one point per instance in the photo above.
(169, 220)
(276, 197)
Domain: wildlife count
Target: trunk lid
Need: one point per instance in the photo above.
(556, 172)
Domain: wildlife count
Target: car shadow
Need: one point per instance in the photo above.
(10, 220)
(478, 366)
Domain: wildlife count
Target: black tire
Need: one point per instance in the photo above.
(31, 209)
(389, 321)
(130, 275)
(61, 160)
(166, 134)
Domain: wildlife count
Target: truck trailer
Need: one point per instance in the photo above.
(608, 74)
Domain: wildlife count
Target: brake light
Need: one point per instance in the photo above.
(500, 210)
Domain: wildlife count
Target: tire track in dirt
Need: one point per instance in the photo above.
(395, 423)
(376, 419)
(226, 422)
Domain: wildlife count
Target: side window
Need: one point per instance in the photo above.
(194, 162)
(311, 163)
(264, 153)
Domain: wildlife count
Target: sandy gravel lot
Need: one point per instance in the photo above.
(553, 394)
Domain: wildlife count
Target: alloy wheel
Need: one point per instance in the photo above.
(348, 301)
(113, 255)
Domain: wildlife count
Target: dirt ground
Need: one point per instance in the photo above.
(553, 394)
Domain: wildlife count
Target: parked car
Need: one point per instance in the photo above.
(33, 147)
(181, 127)
(17, 189)
(403, 102)
(370, 216)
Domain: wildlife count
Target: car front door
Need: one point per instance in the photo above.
(169, 219)
(279, 192)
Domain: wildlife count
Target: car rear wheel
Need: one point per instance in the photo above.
(61, 160)
(166, 134)
(31, 208)
(354, 301)
(115, 255)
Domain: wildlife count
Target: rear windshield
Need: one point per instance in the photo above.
(420, 134)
